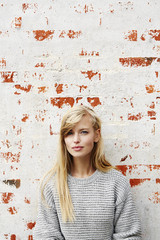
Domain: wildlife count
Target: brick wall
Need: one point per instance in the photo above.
(55, 54)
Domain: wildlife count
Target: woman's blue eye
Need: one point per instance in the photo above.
(69, 133)
(84, 132)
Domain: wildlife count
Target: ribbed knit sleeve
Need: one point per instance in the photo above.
(47, 224)
(126, 221)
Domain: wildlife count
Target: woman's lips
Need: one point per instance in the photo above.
(77, 148)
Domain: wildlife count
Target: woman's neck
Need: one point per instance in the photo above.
(82, 168)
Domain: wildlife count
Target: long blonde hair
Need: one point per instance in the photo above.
(64, 159)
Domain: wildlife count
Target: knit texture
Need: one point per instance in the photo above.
(103, 206)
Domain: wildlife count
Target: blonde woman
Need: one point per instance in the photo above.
(83, 197)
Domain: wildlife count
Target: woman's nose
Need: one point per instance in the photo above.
(76, 138)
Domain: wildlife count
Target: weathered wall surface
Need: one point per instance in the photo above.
(55, 54)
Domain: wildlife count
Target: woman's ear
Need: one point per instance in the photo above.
(97, 135)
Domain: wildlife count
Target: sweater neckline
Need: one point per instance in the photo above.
(85, 180)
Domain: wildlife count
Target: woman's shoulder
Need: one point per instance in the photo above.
(114, 173)
(115, 177)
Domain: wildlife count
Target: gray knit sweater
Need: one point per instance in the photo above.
(103, 206)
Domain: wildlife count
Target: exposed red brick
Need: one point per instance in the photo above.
(151, 113)
(41, 35)
(88, 8)
(131, 35)
(124, 158)
(152, 105)
(157, 180)
(135, 145)
(13, 237)
(130, 168)
(31, 225)
(42, 89)
(30, 237)
(139, 181)
(134, 117)
(94, 101)
(71, 34)
(3, 63)
(42, 65)
(27, 201)
(24, 119)
(62, 34)
(15, 182)
(100, 21)
(137, 61)
(82, 87)
(150, 88)
(7, 197)
(78, 99)
(8, 77)
(10, 156)
(143, 37)
(59, 88)
(155, 198)
(18, 22)
(51, 131)
(85, 53)
(156, 74)
(89, 74)
(59, 102)
(26, 89)
(12, 210)
(26, 6)
(155, 34)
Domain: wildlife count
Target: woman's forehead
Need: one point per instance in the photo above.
(85, 122)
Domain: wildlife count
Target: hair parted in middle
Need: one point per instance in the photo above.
(64, 159)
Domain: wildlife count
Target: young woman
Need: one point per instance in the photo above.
(83, 196)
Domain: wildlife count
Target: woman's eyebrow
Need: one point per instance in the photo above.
(84, 129)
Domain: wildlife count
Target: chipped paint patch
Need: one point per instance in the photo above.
(3, 63)
(40, 65)
(138, 61)
(94, 101)
(59, 88)
(59, 102)
(150, 88)
(42, 89)
(131, 35)
(124, 158)
(12, 210)
(139, 181)
(30, 237)
(18, 22)
(136, 117)
(13, 237)
(70, 33)
(15, 182)
(41, 35)
(7, 197)
(25, 89)
(8, 156)
(26, 200)
(155, 198)
(82, 87)
(92, 53)
(24, 119)
(31, 225)
(89, 74)
(8, 77)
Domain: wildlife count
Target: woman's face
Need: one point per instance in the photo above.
(80, 140)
